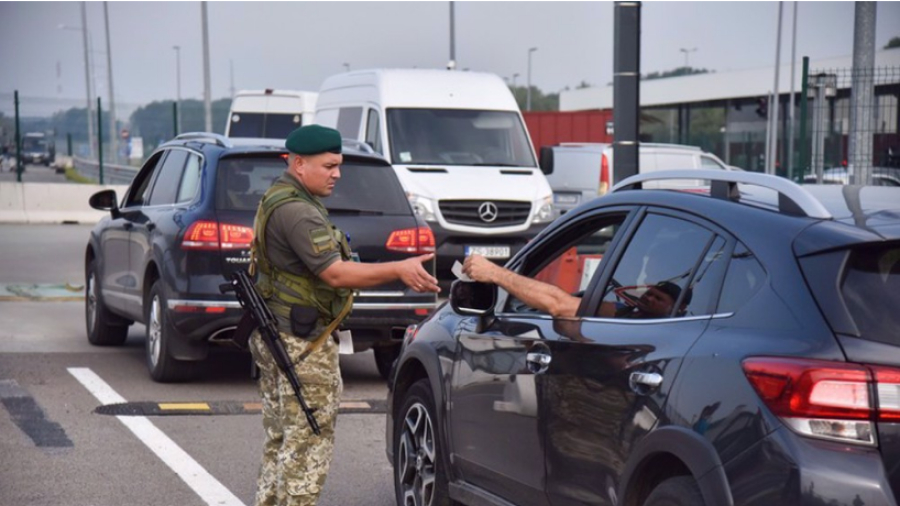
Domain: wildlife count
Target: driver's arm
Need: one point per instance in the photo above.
(541, 296)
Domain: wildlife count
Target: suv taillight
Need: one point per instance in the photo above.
(829, 400)
(604, 176)
(212, 235)
(419, 240)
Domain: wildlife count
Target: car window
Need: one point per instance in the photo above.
(190, 180)
(871, 291)
(654, 277)
(373, 131)
(363, 188)
(708, 162)
(744, 278)
(165, 188)
(349, 121)
(140, 186)
(572, 258)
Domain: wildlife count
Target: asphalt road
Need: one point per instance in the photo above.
(58, 446)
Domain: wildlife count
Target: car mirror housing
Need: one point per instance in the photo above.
(105, 200)
(546, 161)
(472, 297)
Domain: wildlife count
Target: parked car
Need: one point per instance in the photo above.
(580, 171)
(185, 223)
(773, 378)
(38, 148)
(881, 176)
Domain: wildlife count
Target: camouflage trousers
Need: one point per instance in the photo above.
(295, 461)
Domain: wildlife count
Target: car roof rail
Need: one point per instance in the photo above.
(218, 139)
(358, 145)
(792, 198)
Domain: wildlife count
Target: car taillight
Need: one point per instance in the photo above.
(604, 176)
(829, 400)
(419, 240)
(212, 235)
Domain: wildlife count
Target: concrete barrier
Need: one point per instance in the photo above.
(51, 202)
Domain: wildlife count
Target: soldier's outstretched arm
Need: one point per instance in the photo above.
(346, 274)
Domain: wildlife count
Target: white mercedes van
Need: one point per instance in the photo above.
(460, 148)
(270, 114)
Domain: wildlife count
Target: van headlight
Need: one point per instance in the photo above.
(545, 211)
(422, 206)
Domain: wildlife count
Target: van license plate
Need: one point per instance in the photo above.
(488, 251)
(565, 198)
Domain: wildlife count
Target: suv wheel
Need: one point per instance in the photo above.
(419, 476)
(163, 367)
(385, 357)
(103, 327)
(677, 491)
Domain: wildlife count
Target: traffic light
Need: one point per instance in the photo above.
(762, 107)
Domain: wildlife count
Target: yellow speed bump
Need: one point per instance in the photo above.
(184, 406)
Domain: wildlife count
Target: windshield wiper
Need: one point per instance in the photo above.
(485, 164)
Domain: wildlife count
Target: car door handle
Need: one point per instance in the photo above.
(537, 362)
(150, 226)
(128, 225)
(648, 379)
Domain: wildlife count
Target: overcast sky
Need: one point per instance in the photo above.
(296, 45)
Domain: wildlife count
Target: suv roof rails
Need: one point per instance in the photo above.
(358, 145)
(792, 198)
(218, 139)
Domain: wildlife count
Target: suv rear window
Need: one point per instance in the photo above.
(268, 126)
(363, 188)
(871, 291)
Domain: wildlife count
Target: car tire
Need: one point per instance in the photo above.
(385, 357)
(103, 327)
(677, 491)
(163, 367)
(419, 475)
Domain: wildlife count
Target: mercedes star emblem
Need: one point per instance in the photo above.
(488, 212)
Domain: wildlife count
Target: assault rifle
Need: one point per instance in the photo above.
(264, 320)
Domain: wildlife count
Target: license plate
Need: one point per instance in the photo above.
(565, 198)
(488, 251)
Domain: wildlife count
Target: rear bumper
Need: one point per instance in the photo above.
(382, 317)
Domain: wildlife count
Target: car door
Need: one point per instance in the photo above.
(496, 418)
(611, 372)
(154, 217)
(118, 281)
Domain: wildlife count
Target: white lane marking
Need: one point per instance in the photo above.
(210, 490)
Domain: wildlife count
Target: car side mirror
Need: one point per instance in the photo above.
(472, 297)
(547, 160)
(105, 200)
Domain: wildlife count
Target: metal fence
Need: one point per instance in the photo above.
(837, 152)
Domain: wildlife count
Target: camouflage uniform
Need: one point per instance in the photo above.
(294, 243)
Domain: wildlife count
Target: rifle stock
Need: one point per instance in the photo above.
(252, 301)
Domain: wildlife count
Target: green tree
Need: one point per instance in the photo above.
(155, 122)
(539, 100)
(677, 72)
(894, 42)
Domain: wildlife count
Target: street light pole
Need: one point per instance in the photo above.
(686, 53)
(87, 78)
(113, 138)
(207, 99)
(177, 88)
(528, 92)
(515, 75)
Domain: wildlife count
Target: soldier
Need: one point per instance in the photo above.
(306, 276)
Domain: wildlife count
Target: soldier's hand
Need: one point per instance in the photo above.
(480, 269)
(415, 276)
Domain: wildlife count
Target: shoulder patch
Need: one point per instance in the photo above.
(322, 240)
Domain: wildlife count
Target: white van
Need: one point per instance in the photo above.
(654, 157)
(460, 148)
(270, 114)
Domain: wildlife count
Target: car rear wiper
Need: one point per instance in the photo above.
(342, 210)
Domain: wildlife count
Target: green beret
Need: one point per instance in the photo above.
(313, 139)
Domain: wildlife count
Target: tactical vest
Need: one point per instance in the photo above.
(282, 289)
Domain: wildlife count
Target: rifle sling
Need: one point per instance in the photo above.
(328, 330)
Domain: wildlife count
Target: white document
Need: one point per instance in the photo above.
(345, 343)
(458, 272)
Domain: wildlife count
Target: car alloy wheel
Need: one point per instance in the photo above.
(417, 457)
(154, 331)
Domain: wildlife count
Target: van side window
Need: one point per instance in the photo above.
(708, 162)
(373, 131)
(348, 122)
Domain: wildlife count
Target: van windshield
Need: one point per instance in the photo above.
(458, 137)
(262, 125)
(34, 144)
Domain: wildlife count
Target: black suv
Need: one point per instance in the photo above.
(767, 374)
(185, 223)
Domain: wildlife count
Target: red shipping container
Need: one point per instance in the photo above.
(548, 128)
